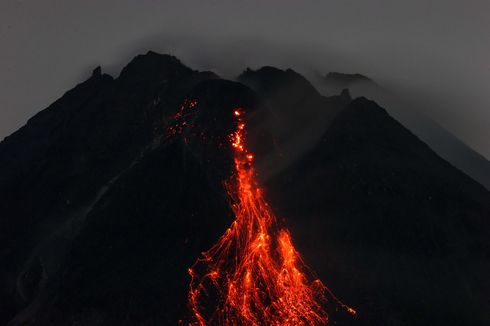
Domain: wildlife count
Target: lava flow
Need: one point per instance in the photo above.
(253, 275)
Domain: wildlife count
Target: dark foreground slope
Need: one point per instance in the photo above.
(128, 265)
(55, 168)
(391, 228)
(399, 231)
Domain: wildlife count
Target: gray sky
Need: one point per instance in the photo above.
(437, 48)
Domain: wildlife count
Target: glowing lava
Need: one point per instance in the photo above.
(253, 275)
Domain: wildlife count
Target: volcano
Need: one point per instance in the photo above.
(172, 196)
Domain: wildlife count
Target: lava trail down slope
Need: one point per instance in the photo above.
(253, 275)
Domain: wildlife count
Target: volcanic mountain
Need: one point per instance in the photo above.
(106, 202)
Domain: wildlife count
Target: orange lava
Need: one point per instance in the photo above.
(253, 275)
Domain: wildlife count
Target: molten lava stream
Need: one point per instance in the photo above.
(254, 275)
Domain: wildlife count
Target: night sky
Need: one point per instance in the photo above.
(437, 50)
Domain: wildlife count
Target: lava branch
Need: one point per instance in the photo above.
(253, 275)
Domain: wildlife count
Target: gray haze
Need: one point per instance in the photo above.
(436, 50)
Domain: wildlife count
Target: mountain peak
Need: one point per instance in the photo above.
(153, 66)
(270, 79)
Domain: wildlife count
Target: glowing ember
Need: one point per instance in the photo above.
(180, 118)
(253, 275)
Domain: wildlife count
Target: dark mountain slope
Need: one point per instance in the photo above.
(406, 234)
(129, 263)
(53, 168)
